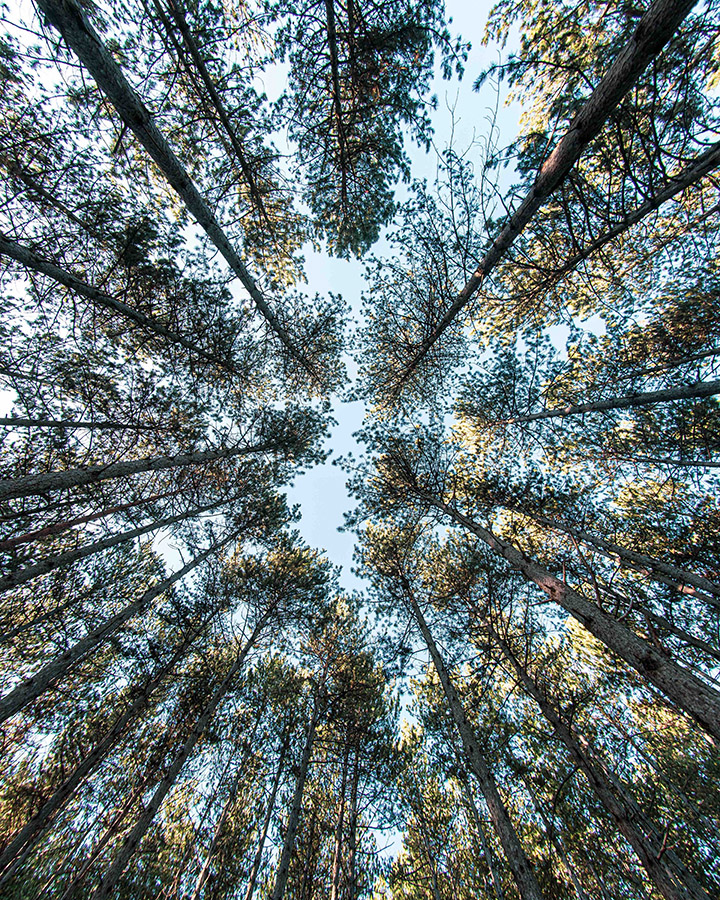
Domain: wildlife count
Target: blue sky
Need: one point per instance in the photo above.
(463, 116)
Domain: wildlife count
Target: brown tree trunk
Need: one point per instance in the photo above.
(352, 890)
(664, 869)
(337, 852)
(484, 844)
(653, 32)
(515, 854)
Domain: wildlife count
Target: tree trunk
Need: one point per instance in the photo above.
(30, 833)
(352, 827)
(679, 579)
(268, 816)
(686, 691)
(337, 853)
(117, 867)
(422, 824)
(484, 844)
(32, 687)
(654, 30)
(51, 563)
(294, 816)
(42, 483)
(37, 263)
(81, 37)
(664, 869)
(65, 525)
(517, 860)
(649, 398)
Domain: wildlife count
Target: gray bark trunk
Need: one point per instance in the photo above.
(515, 854)
(51, 563)
(648, 398)
(337, 852)
(30, 485)
(296, 805)
(118, 865)
(33, 261)
(484, 844)
(664, 869)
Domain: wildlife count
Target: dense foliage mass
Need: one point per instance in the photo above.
(522, 701)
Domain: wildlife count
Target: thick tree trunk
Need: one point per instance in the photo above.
(51, 563)
(648, 398)
(664, 869)
(71, 22)
(296, 805)
(117, 867)
(32, 687)
(44, 482)
(653, 32)
(254, 871)
(683, 688)
(36, 263)
(515, 854)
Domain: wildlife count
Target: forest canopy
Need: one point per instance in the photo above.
(520, 699)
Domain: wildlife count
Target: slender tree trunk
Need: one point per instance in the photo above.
(178, 14)
(337, 853)
(697, 170)
(653, 32)
(648, 398)
(71, 22)
(118, 865)
(517, 860)
(32, 687)
(37, 263)
(683, 688)
(42, 483)
(422, 824)
(19, 422)
(484, 843)
(51, 563)
(352, 826)
(254, 871)
(60, 527)
(665, 870)
(296, 805)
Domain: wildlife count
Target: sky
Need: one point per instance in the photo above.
(465, 116)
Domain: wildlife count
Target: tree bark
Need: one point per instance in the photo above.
(296, 805)
(484, 844)
(266, 819)
(683, 688)
(44, 482)
(30, 833)
(32, 687)
(352, 827)
(515, 854)
(51, 563)
(80, 36)
(664, 869)
(648, 398)
(653, 32)
(337, 852)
